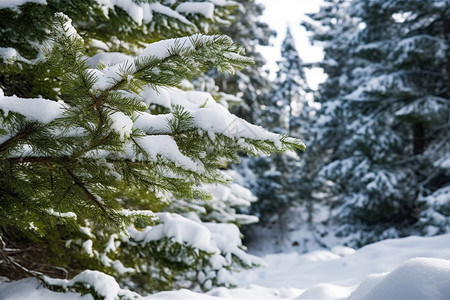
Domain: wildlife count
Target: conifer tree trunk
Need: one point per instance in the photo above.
(281, 225)
(446, 30)
(419, 138)
(290, 112)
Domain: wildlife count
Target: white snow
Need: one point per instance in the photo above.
(180, 229)
(417, 44)
(234, 194)
(429, 109)
(31, 289)
(153, 124)
(107, 58)
(227, 238)
(67, 28)
(217, 121)
(409, 268)
(141, 12)
(168, 97)
(162, 49)
(13, 4)
(166, 147)
(11, 54)
(87, 247)
(41, 110)
(98, 44)
(112, 74)
(223, 2)
(439, 198)
(128, 213)
(135, 11)
(203, 8)
(62, 215)
(159, 97)
(416, 279)
(383, 84)
(308, 270)
(165, 10)
(103, 284)
(443, 162)
(122, 124)
(221, 240)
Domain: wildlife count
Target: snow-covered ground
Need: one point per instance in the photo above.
(408, 268)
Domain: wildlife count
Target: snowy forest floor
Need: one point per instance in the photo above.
(407, 268)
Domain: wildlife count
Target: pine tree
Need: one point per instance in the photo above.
(334, 29)
(286, 111)
(393, 111)
(243, 92)
(100, 133)
(251, 84)
(288, 103)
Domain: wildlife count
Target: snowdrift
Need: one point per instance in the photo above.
(409, 268)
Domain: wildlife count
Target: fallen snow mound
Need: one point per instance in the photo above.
(418, 278)
(412, 268)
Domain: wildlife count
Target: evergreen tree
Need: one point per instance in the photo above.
(393, 111)
(100, 134)
(334, 29)
(288, 103)
(286, 111)
(251, 84)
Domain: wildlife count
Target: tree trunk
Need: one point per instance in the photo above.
(290, 112)
(446, 31)
(281, 227)
(419, 138)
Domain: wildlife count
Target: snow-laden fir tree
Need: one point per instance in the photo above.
(286, 111)
(101, 133)
(251, 85)
(334, 29)
(243, 92)
(288, 104)
(391, 171)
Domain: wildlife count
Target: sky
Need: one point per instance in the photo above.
(282, 13)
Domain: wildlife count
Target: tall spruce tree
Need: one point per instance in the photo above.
(288, 103)
(285, 111)
(333, 28)
(391, 172)
(100, 134)
(336, 31)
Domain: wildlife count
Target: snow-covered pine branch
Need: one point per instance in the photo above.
(95, 147)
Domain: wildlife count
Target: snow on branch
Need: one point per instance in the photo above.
(104, 285)
(14, 4)
(10, 55)
(204, 8)
(160, 58)
(38, 109)
(164, 146)
(178, 228)
(165, 10)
